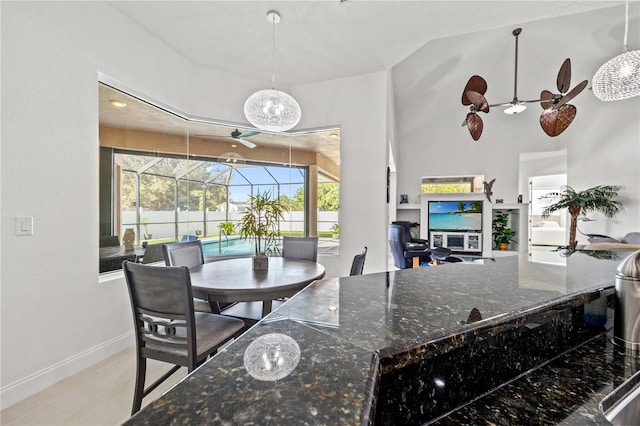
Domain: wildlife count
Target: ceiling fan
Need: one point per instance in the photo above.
(556, 116)
(237, 136)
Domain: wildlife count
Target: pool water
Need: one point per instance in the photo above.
(233, 246)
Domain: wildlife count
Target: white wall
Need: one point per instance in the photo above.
(57, 318)
(602, 143)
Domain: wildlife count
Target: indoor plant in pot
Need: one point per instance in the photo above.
(260, 222)
(502, 234)
(599, 198)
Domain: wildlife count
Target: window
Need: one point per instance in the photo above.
(166, 176)
(451, 184)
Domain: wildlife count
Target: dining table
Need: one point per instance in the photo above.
(235, 280)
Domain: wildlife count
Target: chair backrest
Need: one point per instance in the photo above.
(162, 306)
(305, 248)
(397, 243)
(358, 262)
(109, 241)
(187, 254)
(153, 253)
(188, 237)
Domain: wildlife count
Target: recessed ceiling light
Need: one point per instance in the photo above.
(118, 104)
(234, 146)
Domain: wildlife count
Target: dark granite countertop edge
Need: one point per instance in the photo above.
(442, 342)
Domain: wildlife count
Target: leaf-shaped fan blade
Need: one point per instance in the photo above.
(572, 94)
(555, 121)
(478, 100)
(474, 123)
(476, 84)
(564, 76)
(545, 99)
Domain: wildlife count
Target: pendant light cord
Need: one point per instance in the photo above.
(626, 27)
(273, 52)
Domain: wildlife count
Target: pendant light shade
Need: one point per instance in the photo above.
(619, 77)
(271, 109)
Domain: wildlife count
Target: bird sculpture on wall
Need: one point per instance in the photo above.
(488, 188)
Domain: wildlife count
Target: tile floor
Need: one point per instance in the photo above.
(99, 395)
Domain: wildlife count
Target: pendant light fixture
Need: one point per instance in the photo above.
(271, 109)
(619, 77)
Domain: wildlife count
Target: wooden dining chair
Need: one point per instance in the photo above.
(166, 326)
(189, 254)
(358, 262)
(304, 248)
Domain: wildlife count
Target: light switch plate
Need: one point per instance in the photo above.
(24, 225)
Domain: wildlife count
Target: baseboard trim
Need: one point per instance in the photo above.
(38, 381)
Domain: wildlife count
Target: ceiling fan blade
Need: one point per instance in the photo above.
(476, 84)
(245, 143)
(564, 76)
(545, 99)
(478, 100)
(556, 121)
(572, 94)
(475, 125)
(249, 133)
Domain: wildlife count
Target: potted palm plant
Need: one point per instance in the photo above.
(599, 198)
(502, 235)
(260, 222)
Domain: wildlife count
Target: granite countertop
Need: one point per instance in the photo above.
(568, 390)
(364, 342)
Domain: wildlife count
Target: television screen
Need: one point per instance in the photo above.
(455, 215)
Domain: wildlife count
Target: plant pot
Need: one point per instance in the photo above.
(260, 262)
(503, 246)
(148, 236)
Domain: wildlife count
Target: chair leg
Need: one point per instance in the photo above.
(138, 393)
(416, 262)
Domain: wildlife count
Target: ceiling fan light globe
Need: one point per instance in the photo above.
(618, 78)
(272, 110)
(515, 108)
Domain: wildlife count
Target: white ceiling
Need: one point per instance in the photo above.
(325, 39)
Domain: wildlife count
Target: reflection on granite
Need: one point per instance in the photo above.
(568, 390)
(405, 350)
(329, 386)
(320, 306)
(271, 357)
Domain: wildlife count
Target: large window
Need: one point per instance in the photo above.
(167, 177)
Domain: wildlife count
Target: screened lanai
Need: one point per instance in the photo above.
(178, 196)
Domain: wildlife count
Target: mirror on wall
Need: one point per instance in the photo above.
(166, 177)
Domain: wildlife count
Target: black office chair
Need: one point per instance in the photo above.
(407, 226)
(304, 248)
(167, 328)
(403, 250)
(358, 262)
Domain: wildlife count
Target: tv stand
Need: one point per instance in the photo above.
(462, 241)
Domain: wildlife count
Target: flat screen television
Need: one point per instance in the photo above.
(455, 215)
